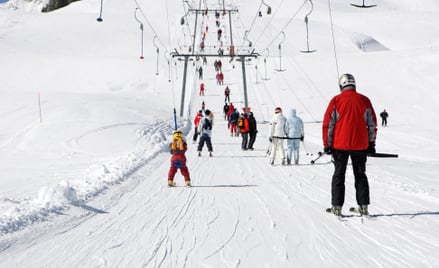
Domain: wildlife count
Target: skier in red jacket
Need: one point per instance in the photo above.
(349, 130)
(197, 119)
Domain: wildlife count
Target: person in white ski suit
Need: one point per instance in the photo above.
(295, 133)
(277, 135)
(205, 130)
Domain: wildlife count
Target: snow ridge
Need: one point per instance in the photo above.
(52, 200)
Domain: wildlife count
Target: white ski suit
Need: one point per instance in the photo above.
(277, 136)
(294, 129)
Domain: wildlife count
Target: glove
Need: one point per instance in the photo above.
(302, 138)
(371, 148)
(270, 139)
(327, 150)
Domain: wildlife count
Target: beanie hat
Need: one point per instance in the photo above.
(207, 112)
(278, 110)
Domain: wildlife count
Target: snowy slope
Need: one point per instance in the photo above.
(86, 185)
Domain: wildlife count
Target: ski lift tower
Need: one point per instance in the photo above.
(239, 56)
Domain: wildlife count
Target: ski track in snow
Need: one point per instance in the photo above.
(24, 214)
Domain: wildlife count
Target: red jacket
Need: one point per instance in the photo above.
(197, 119)
(245, 126)
(349, 122)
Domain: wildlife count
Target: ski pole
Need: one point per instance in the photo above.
(286, 138)
(320, 154)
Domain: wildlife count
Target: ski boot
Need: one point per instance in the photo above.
(171, 183)
(336, 210)
(188, 183)
(363, 210)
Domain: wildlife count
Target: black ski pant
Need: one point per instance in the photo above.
(252, 139)
(194, 138)
(244, 143)
(205, 139)
(358, 159)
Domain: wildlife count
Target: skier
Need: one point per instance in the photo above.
(200, 73)
(277, 135)
(221, 78)
(226, 111)
(205, 130)
(219, 33)
(244, 130)
(349, 130)
(178, 148)
(202, 88)
(384, 116)
(227, 94)
(253, 130)
(295, 132)
(233, 121)
(197, 119)
(219, 65)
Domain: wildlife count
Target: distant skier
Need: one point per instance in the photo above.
(295, 131)
(178, 148)
(226, 111)
(349, 130)
(277, 135)
(227, 94)
(202, 88)
(200, 73)
(384, 116)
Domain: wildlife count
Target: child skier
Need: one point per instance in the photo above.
(178, 160)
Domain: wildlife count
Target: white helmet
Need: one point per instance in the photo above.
(346, 80)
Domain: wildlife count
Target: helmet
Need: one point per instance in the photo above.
(278, 110)
(178, 134)
(207, 112)
(346, 80)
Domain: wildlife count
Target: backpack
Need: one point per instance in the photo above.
(207, 125)
(240, 122)
(177, 144)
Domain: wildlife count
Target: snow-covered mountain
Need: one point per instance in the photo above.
(85, 125)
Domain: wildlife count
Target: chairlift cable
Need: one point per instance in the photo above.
(288, 23)
(169, 26)
(149, 24)
(254, 19)
(272, 17)
(333, 39)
